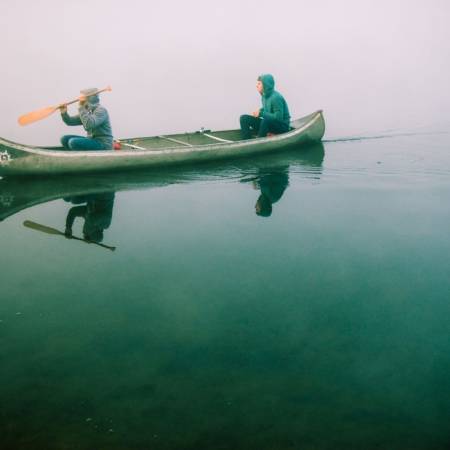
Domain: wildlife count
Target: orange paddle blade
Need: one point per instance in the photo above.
(45, 112)
(36, 115)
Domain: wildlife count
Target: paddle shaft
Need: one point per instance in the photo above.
(50, 230)
(89, 95)
(40, 114)
(91, 242)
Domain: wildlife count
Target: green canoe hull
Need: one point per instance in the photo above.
(138, 153)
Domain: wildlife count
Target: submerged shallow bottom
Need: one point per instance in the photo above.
(318, 323)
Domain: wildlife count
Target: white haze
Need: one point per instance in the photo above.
(175, 66)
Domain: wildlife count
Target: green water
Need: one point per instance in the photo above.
(324, 325)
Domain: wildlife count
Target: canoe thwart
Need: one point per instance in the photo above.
(216, 138)
(132, 146)
(177, 141)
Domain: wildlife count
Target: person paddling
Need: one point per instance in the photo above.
(274, 115)
(95, 120)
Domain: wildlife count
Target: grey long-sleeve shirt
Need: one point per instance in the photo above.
(95, 120)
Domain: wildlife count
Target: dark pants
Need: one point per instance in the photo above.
(255, 126)
(73, 142)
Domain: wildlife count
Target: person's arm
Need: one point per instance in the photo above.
(93, 119)
(69, 120)
(277, 110)
(258, 113)
(76, 211)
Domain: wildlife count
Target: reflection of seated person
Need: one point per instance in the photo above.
(272, 185)
(97, 214)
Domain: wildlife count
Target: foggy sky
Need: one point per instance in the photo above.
(177, 66)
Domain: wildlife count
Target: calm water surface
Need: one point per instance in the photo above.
(319, 323)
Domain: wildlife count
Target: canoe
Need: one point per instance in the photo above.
(162, 150)
(20, 193)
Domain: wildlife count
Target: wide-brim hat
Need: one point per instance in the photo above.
(90, 91)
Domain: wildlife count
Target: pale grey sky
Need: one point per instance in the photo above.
(176, 65)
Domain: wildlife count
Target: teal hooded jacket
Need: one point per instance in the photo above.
(274, 105)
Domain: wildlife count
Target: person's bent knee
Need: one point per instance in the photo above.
(64, 141)
(244, 118)
(72, 144)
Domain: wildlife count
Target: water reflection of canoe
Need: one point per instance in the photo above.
(17, 194)
(18, 159)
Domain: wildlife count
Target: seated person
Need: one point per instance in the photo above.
(95, 120)
(273, 117)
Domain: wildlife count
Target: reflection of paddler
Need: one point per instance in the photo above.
(97, 214)
(272, 185)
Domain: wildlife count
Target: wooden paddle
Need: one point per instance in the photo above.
(49, 230)
(40, 114)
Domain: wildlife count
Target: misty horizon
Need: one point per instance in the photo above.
(371, 66)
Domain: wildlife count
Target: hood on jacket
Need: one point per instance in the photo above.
(268, 84)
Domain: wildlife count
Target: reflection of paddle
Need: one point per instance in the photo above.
(45, 112)
(248, 179)
(49, 230)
